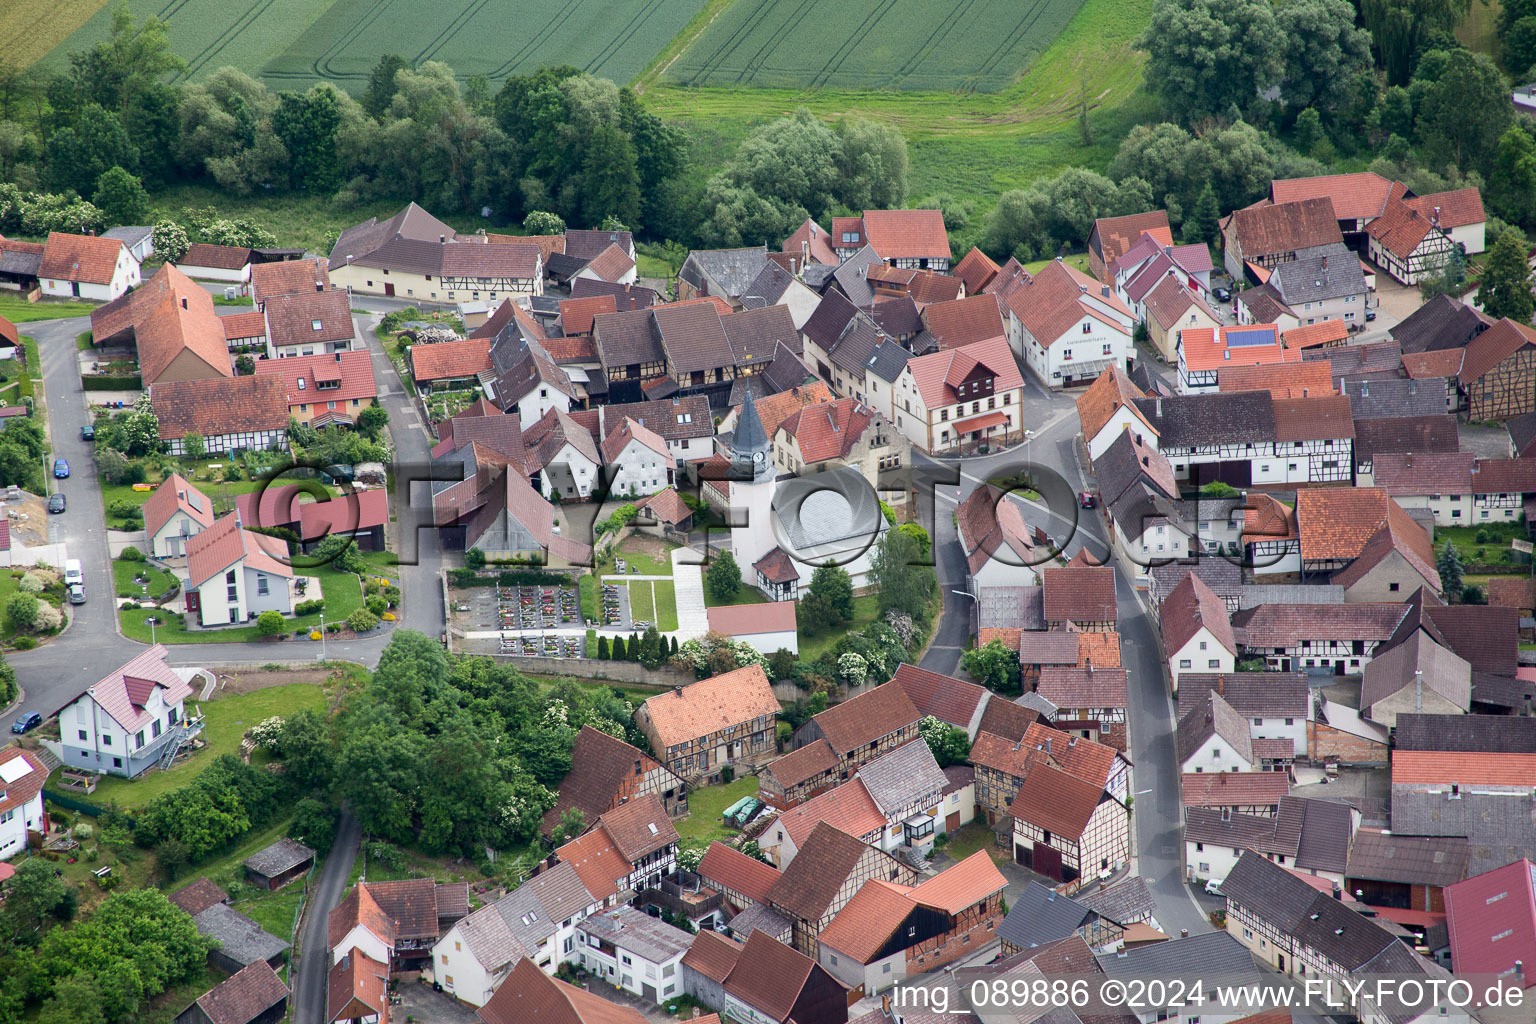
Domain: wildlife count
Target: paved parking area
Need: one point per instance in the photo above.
(419, 1002)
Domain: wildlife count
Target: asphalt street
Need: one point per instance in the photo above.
(309, 973)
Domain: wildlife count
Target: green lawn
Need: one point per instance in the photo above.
(666, 605)
(703, 825)
(814, 645)
(209, 481)
(587, 586)
(642, 604)
(19, 311)
(647, 564)
(746, 595)
(1493, 549)
(651, 266)
(226, 720)
(343, 594)
(160, 581)
(969, 839)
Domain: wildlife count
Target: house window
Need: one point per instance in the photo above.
(83, 734)
(314, 325)
(154, 728)
(943, 415)
(1185, 663)
(106, 740)
(229, 577)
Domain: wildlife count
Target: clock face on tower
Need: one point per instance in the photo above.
(757, 457)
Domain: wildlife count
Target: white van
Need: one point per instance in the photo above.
(73, 572)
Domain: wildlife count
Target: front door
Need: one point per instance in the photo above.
(194, 601)
(952, 823)
(389, 289)
(1047, 861)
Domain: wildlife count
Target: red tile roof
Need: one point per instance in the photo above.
(1466, 768)
(869, 920)
(359, 907)
(87, 259)
(302, 376)
(849, 808)
(576, 314)
(27, 785)
(598, 864)
(1281, 380)
(938, 374)
(907, 234)
(171, 314)
(1324, 332)
(215, 257)
(797, 766)
(816, 240)
(1117, 234)
(1170, 300)
(1359, 196)
(775, 409)
(1205, 348)
(976, 269)
(288, 277)
(828, 431)
(1071, 686)
(1056, 801)
(1234, 789)
(528, 994)
(245, 995)
(1458, 208)
(1263, 229)
(611, 264)
(358, 511)
(123, 692)
(725, 865)
(965, 321)
(175, 493)
(309, 318)
(1491, 920)
(357, 986)
(219, 405)
(1335, 522)
(198, 896)
(960, 885)
(1052, 302)
(239, 326)
(450, 360)
(223, 544)
(866, 718)
(943, 697)
(752, 619)
(1492, 347)
(1313, 418)
(1110, 392)
(710, 705)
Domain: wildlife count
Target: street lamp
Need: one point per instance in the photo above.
(322, 636)
(153, 621)
(349, 277)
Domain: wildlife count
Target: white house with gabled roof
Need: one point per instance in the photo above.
(21, 799)
(130, 719)
(234, 574)
(174, 514)
(636, 460)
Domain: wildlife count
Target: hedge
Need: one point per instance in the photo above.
(104, 382)
(464, 578)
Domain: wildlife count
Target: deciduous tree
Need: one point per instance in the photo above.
(1505, 287)
(1205, 57)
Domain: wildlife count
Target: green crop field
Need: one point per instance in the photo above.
(295, 42)
(969, 46)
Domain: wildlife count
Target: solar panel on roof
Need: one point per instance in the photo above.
(1243, 339)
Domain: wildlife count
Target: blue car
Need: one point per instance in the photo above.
(60, 468)
(28, 720)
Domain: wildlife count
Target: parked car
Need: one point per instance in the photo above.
(61, 468)
(1214, 887)
(76, 594)
(1370, 315)
(1222, 294)
(29, 720)
(1087, 499)
(88, 432)
(56, 502)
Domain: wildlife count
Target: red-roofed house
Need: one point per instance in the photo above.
(326, 389)
(962, 398)
(1196, 630)
(126, 721)
(448, 362)
(174, 513)
(1492, 923)
(888, 931)
(357, 989)
(86, 267)
(1204, 351)
(914, 239)
(844, 432)
(636, 460)
(1068, 327)
(234, 574)
(21, 799)
(1406, 241)
(768, 627)
(1068, 829)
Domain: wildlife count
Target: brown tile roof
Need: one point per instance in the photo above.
(1286, 625)
(1056, 801)
(1079, 595)
(1007, 720)
(1324, 332)
(1399, 533)
(1234, 789)
(1289, 380)
(756, 334)
(847, 808)
(216, 257)
(528, 994)
(198, 896)
(710, 705)
(242, 325)
(728, 866)
(976, 269)
(668, 507)
(944, 697)
(1050, 647)
(1111, 391)
(1283, 227)
(600, 765)
(288, 277)
(1005, 635)
(1051, 302)
(220, 405)
(807, 762)
(448, 360)
(816, 242)
(87, 259)
(1072, 687)
(548, 244)
(476, 259)
(770, 976)
(822, 863)
(1214, 717)
(243, 996)
(692, 336)
(1266, 518)
(1169, 301)
(1307, 419)
(1117, 234)
(349, 376)
(1336, 523)
(712, 955)
(292, 319)
(1101, 650)
(1445, 362)
(357, 986)
(611, 264)
(1512, 592)
(909, 234)
(965, 321)
(866, 718)
(639, 827)
(411, 903)
(1492, 347)
(1360, 196)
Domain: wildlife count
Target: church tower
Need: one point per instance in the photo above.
(752, 485)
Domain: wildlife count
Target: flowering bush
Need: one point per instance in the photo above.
(267, 734)
(853, 668)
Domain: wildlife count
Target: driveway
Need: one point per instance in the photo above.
(314, 940)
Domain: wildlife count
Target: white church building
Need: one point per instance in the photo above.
(791, 525)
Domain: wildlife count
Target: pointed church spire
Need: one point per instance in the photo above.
(749, 436)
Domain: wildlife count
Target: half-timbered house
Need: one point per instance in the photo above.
(863, 728)
(698, 729)
(831, 867)
(1068, 829)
